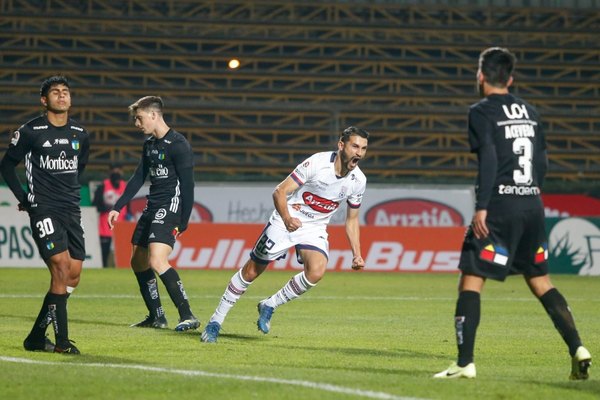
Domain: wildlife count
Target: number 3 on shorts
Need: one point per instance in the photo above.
(44, 227)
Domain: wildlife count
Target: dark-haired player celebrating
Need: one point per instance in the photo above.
(168, 159)
(55, 149)
(507, 234)
(304, 203)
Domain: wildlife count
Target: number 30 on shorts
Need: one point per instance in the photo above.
(44, 227)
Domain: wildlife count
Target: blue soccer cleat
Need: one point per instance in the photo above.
(265, 313)
(211, 332)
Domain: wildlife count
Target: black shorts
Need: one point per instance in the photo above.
(156, 226)
(57, 231)
(516, 245)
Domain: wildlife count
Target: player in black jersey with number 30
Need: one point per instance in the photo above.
(55, 149)
(507, 234)
(168, 159)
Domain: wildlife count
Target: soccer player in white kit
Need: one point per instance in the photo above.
(304, 203)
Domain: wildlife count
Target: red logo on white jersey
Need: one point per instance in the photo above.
(319, 203)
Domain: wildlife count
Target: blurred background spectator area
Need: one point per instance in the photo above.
(403, 70)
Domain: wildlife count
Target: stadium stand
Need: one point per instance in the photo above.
(404, 71)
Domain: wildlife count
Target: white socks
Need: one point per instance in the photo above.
(292, 290)
(236, 288)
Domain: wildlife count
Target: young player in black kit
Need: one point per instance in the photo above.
(168, 159)
(55, 149)
(507, 235)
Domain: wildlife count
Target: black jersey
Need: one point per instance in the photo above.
(54, 159)
(507, 135)
(169, 162)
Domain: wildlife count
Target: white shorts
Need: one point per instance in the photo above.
(275, 241)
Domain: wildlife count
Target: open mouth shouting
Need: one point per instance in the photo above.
(353, 162)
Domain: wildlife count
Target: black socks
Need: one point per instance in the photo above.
(38, 331)
(172, 282)
(149, 290)
(466, 319)
(558, 310)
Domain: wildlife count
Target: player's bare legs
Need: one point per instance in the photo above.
(59, 266)
(315, 265)
(539, 285)
(139, 259)
(75, 268)
(252, 270)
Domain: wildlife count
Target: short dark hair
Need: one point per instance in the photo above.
(497, 65)
(147, 102)
(52, 81)
(353, 130)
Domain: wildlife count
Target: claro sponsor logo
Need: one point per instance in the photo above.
(199, 212)
(380, 256)
(413, 212)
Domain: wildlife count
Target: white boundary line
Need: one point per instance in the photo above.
(307, 384)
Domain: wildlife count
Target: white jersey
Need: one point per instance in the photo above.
(321, 191)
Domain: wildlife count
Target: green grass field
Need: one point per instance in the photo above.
(355, 335)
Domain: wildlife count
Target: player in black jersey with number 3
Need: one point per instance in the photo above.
(168, 159)
(55, 149)
(507, 235)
